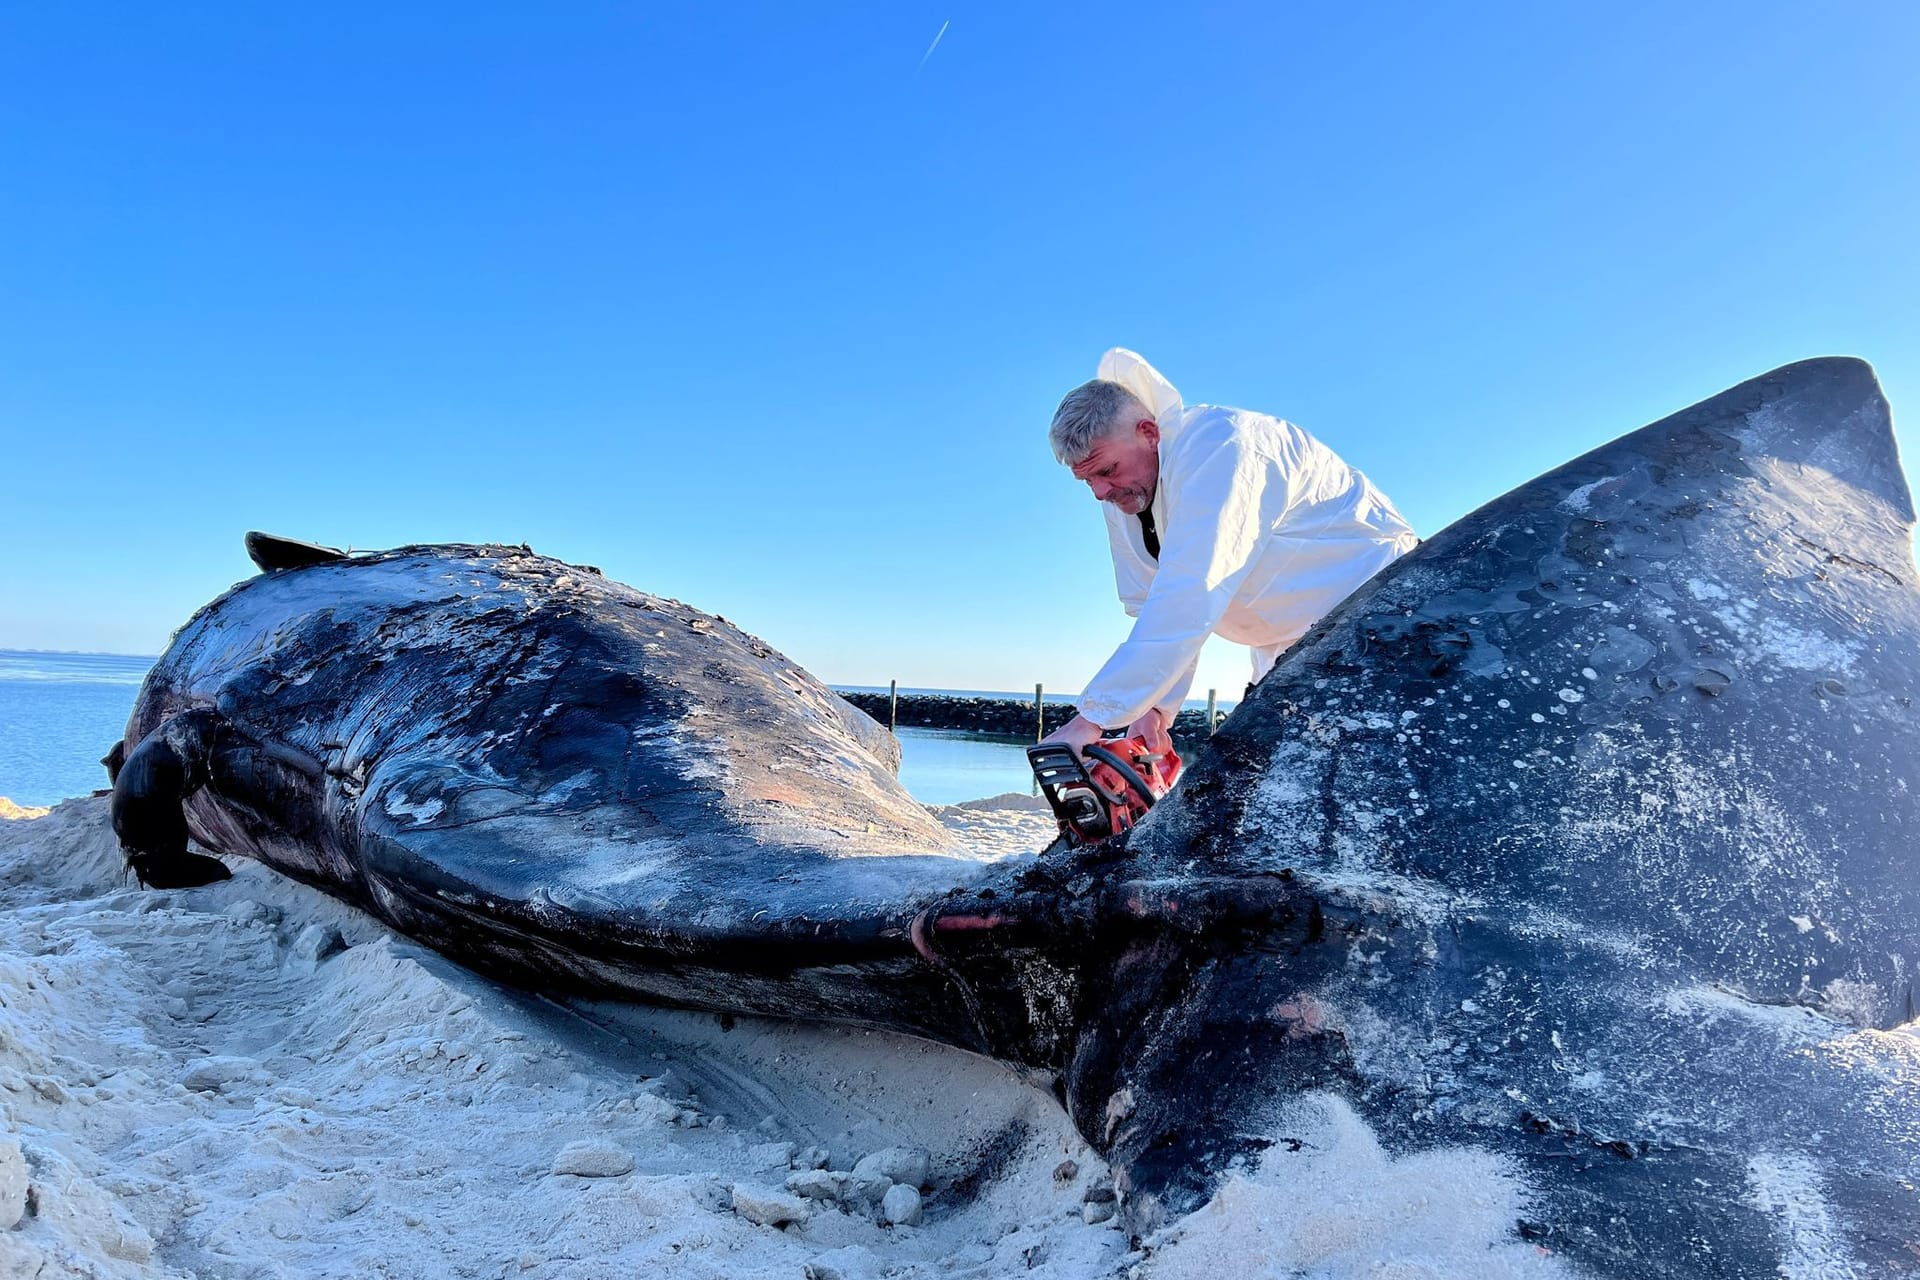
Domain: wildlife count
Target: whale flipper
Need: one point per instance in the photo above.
(150, 790)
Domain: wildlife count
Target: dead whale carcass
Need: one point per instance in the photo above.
(1581, 835)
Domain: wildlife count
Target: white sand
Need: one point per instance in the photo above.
(251, 1079)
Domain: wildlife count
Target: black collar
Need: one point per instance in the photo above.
(1149, 534)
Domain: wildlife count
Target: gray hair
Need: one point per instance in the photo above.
(1090, 412)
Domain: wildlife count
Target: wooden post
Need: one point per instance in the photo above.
(1039, 714)
(1210, 703)
(893, 704)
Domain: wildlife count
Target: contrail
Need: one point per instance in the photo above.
(935, 45)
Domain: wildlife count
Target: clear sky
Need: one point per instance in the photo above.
(765, 308)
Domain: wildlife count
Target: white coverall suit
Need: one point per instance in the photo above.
(1262, 530)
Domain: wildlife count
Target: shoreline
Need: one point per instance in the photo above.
(1000, 717)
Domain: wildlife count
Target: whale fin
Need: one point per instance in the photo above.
(270, 552)
(148, 792)
(116, 757)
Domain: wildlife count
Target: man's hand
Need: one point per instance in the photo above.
(1078, 733)
(1152, 728)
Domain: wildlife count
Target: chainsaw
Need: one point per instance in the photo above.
(1098, 800)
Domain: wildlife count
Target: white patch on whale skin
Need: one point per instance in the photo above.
(1662, 819)
(1355, 883)
(1775, 640)
(1282, 805)
(1803, 650)
(1786, 1188)
(1576, 502)
(1326, 1200)
(565, 789)
(1624, 945)
(1794, 1024)
(415, 811)
(1860, 1003)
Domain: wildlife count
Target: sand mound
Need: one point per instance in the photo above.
(251, 1079)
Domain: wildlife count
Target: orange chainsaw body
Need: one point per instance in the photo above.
(1109, 792)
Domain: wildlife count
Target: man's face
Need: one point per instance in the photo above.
(1124, 466)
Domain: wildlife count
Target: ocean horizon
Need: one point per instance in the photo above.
(8, 655)
(62, 710)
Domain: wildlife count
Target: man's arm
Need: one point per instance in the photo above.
(1080, 733)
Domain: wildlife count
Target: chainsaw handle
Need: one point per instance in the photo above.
(1094, 751)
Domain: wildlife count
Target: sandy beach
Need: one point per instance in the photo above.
(254, 1080)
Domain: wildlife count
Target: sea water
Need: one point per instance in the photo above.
(946, 766)
(60, 712)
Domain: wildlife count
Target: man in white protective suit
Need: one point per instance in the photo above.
(1221, 521)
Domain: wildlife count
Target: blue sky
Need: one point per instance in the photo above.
(749, 307)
